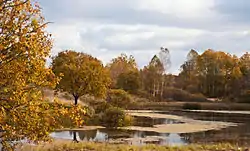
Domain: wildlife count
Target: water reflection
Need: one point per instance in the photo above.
(123, 136)
(150, 122)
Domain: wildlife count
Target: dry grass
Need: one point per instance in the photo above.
(62, 145)
(63, 97)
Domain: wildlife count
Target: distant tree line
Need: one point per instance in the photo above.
(213, 74)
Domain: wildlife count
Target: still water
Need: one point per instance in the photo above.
(239, 134)
(123, 136)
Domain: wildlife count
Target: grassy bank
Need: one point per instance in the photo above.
(179, 105)
(70, 146)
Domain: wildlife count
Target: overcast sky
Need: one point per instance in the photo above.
(107, 28)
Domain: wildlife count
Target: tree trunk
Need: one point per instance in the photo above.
(162, 88)
(76, 99)
(158, 89)
(154, 91)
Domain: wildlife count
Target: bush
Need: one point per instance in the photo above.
(182, 95)
(119, 98)
(175, 94)
(244, 97)
(143, 94)
(197, 98)
(98, 105)
(101, 107)
(191, 106)
(192, 88)
(115, 117)
(128, 120)
(94, 120)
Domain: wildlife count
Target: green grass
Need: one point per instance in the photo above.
(70, 146)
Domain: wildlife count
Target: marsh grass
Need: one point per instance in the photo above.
(61, 145)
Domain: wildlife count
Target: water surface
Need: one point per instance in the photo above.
(239, 134)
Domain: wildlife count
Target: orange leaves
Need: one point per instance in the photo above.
(76, 113)
(217, 73)
(121, 64)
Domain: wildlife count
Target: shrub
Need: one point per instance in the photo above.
(197, 98)
(244, 97)
(143, 94)
(182, 95)
(98, 105)
(115, 117)
(191, 106)
(128, 120)
(101, 107)
(119, 98)
(88, 99)
(175, 94)
(192, 88)
(94, 120)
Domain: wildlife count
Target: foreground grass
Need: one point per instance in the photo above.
(70, 146)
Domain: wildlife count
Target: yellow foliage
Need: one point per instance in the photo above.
(119, 65)
(23, 51)
(80, 74)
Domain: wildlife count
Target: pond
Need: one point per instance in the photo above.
(234, 134)
(123, 136)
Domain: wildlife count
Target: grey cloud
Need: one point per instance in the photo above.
(234, 10)
(232, 16)
(101, 38)
(121, 12)
(229, 42)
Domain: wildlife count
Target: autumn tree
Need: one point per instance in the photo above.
(24, 46)
(129, 81)
(244, 63)
(121, 64)
(216, 72)
(152, 75)
(80, 74)
(243, 85)
(189, 72)
(165, 60)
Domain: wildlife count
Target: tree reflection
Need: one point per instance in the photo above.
(73, 134)
(87, 135)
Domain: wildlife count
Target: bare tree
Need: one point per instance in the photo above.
(165, 59)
